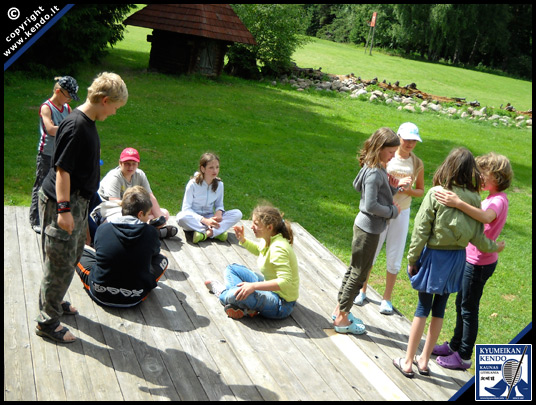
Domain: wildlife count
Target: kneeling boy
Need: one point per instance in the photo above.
(127, 262)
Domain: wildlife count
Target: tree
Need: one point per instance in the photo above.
(80, 36)
(277, 29)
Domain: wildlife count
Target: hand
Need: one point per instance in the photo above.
(244, 290)
(412, 270)
(66, 222)
(397, 207)
(446, 197)
(218, 216)
(239, 232)
(210, 222)
(405, 183)
(501, 245)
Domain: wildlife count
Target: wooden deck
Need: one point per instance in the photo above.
(180, 345)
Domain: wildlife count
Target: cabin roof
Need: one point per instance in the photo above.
(215, 21)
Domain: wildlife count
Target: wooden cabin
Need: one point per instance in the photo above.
(190, 38)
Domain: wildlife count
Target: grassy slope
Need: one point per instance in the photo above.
(294, 149)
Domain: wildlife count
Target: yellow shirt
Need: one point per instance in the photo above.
(278, 262)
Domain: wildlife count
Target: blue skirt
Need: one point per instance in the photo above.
(440, 271)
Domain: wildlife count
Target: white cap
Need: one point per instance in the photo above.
(409, 132)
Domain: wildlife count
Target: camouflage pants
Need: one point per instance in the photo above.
(42, 167)
(61, 253)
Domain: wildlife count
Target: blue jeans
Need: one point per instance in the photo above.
(431, 302)
(467, 305)
(267, 303)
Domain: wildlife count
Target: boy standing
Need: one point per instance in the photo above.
(64, 199)
(51, 113)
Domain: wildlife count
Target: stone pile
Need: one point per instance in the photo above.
(407, 98)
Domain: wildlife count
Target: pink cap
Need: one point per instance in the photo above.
(129, 154)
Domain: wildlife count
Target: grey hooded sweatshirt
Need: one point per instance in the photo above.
(376, 204)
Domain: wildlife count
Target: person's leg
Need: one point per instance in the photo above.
(470, 307)
(229, 219)
(42, 168)
(62, 254)
(363, 247)
(189, 223)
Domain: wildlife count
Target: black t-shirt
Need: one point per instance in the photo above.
(77, 151)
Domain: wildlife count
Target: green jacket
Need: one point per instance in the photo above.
(440, 227)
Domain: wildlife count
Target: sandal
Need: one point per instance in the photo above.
(50, 332)
(442, 350)
(354, 329)
(422, 371)
(66, 306)
(453, 362)
(398, 364)
(167, 231)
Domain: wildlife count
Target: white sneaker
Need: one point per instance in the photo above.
(360, 299)
(386, 307)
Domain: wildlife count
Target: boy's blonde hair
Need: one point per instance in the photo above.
(107, 85)
(498, 167)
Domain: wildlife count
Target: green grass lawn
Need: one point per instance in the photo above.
(294, 149)
(432, 78)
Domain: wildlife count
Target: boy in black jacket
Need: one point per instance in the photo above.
(127, 262)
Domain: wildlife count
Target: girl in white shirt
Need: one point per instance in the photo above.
(202, 207)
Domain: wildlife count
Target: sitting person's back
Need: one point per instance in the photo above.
(127, 262)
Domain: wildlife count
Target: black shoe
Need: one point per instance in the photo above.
(157, 222)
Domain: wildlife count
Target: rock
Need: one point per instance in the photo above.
(409, 107)
(434, 107)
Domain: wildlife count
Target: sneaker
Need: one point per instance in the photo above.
(386, 307)
(360, 299)
(215, 287)
(453, 362)
(235, 312)
(221, 236)
(199, 237)
(442, 350)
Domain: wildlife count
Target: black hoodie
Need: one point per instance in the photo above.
(124, 249)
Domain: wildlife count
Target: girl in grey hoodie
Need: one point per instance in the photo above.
(376, 207)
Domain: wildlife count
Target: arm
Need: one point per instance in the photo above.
(450, 199)
(63, 193)
(418, 191)
(245, 289)
(370, 196)
(422, 228)
(46, 115)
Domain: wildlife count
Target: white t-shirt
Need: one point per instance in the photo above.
(114, 183)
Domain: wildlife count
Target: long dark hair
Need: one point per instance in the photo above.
(458, 169)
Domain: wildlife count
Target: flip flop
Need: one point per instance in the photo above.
(422, 371)
(398, 364)
(353, 328)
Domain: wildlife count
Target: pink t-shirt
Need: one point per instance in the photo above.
(498, 203)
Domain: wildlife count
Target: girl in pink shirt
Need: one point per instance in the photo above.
(497, 176)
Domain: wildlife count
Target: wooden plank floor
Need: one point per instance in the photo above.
(180, 345)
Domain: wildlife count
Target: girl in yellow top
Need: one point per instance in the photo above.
(274, 293)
